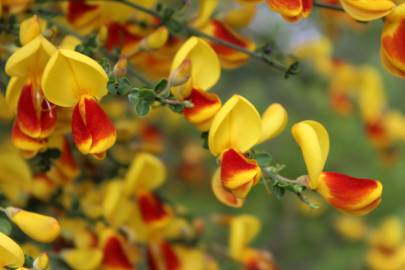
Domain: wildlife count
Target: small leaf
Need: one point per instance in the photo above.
(263, 158)
(28, 261)
(160, 86)
(278, 191)
(142, 108)
(134, 97)
(5, 226)
(204, 137)
(177, 108)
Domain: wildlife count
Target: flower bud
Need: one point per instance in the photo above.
(41, 262)
(39, 227)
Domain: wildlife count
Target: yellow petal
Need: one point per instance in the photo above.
(156, 39)
(243, 230)
(83, 259)
(313, 140)
(146, 173)
(31, 28)
(222, 194)
(205, 10)
(11, 254)
(241, 16)
(116, 207)
(13, 91)
(39, 227)
(31, 58)
(69, 42)
(70, 75)
(274, 121)
(237, 125)
(6, 112)
(12, 167)
(367, 10)
(205, 64)
(372, 100)
(41, 262)
(394, 122)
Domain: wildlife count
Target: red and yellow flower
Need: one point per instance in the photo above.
(355, 196)
(74, 80)
(236, 128)
(195, 69)
(392, 42)
(36, 116)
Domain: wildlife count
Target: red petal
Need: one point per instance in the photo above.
(77, 8)
(348, 193)
(119, 36)
(206, 105)
(93, 132)
(151, 208)
(394, 45)
(237, 170)
(25, 142)
(162, 254)
(114, 255)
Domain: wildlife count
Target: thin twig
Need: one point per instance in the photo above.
(329, 6)
(193, 31)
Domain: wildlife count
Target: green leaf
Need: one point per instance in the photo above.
(177, 108)
(5, 226)
(204, 137)
(160, 86)
(142, 108)
(134, 97)
(28, 261)
(278, 191)
(147, 95)
(263, 158)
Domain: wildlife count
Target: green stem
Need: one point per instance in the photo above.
(329, 6)
(193, 31)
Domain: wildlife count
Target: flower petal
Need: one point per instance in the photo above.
(115, 256)
(146, 173)
(237, 125)
(352, 195)
(313, 140)
(153, 211)
(161, 255)
(205, 10)
(287, 8)
(69, 75)
(222, 194)
(93, 132)
(243, 229)
(83, 258)
(365, 10)
(39, 227)
(205, 63)
(230, 58)
(31, 57)
(274, 121)
(205, 106)
(36, 117)
(11, 254)
(13, 91)
(237, 170)
(392, 41)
